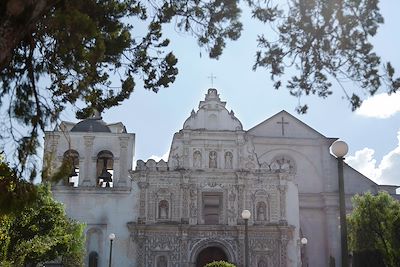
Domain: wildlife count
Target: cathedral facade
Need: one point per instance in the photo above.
(186, 212)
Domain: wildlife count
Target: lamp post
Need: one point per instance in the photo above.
(339, 149)
(246, 216)
(111, 237)
(303, 242)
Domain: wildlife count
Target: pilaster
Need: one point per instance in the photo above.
(88, 175)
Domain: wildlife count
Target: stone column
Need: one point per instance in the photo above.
(232, 214)
(241, 252)
(241, 201)
(333, 233)
(283, 250)
(142, 201)
(88, 168)
(282, 202)
(184, 249)
(122, 176)
(193, 208)
(141, 249)
(185, 203)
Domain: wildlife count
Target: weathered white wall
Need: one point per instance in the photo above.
(106, 209)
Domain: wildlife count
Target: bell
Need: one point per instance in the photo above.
(105, 176)
(73, 172)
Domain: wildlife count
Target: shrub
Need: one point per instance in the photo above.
(219, 264)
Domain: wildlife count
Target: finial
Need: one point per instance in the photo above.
(212, 77)
(96, 114)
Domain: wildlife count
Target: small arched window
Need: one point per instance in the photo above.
(71, 159)
(93, 259)
(163, 210)
(105, 168)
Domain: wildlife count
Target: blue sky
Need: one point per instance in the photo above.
(371, 133)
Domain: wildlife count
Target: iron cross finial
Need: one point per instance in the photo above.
(212, 77)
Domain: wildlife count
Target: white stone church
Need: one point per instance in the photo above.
(187, 211)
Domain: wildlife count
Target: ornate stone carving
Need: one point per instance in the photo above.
(88, 140)
(140, 165)
(182, 192)
(151, 165)
(123, 142)
(185, 201)
(248, 157)
(283, 164)
(143, 185)
(283, 250)
(193, 202)
(282, 190)
(162, 165)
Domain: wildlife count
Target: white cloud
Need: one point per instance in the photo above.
(158, 158)
(380, 106)
(364, 162)
(386, 172)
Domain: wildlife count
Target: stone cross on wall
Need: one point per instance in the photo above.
(282, 122)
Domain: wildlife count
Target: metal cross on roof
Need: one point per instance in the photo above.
(212, 77)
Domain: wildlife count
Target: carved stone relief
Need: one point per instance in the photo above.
(170, 199)
(248, 157)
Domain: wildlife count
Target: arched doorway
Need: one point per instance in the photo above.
(210, 254)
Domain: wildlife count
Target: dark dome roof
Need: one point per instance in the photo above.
(91, 125)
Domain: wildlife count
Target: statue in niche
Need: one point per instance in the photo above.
(261, 211)
(163, 210)
(193, 210)
(197, 159)
(262, 263)
(228, 160)
(162, 261)
(213, 159)
(285, 166)
(274, 166)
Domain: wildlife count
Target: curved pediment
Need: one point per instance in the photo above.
(213, 115)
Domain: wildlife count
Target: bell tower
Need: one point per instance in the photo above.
(91, 152)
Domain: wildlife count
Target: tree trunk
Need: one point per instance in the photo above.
(18, 19)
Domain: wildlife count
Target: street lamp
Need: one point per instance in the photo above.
(246, 216)
(339, 149)
(111, 237)
(303, 242)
